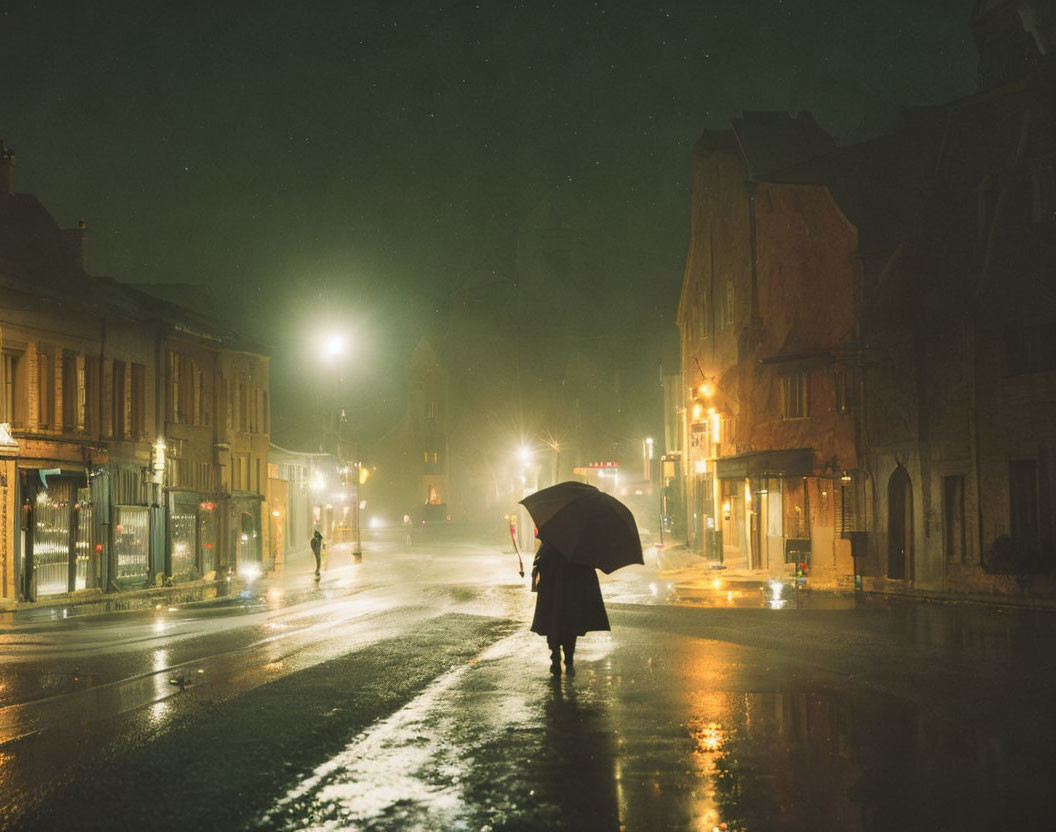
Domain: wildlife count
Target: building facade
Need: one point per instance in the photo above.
(121, 421)
(868, 337)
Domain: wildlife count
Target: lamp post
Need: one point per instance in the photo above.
(358, 469)
(334, 350)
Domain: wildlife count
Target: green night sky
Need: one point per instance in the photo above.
(361, 153)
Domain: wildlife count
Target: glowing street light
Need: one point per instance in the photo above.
(334, 346)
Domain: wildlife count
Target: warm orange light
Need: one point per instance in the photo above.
(698, 412)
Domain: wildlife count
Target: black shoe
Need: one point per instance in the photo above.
(555, 668)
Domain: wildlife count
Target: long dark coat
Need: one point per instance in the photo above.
(569, 601)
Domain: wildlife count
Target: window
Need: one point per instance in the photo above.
(240, 472)
(174, 387)
(121, 412)
(797, 518)
(137, 401)
(45, 389)
(430, 410)
(186, 404)
(1023, 500)
(70, 392)
(10, 403)
(841, 383)
(91, 394)
(794, 387)
(953, 528)
(196, 394)
(82, 396)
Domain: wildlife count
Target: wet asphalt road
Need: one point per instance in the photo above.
(404, 693)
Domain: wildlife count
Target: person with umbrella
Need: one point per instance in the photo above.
(581, 529)
(568, 604)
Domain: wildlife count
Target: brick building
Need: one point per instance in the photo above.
(877, 323)
(133, 432)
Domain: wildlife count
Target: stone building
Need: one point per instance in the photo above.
(891, 341)
(959, 332)
(134, 432)
(766, 310)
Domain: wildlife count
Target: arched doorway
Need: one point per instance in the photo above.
(899, 525)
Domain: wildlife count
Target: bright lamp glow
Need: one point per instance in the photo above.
(334, 346)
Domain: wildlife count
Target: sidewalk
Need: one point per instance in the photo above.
(692, 573)
(298, 569)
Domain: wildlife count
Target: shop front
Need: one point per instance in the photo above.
(193, 535)
(765, 508)
(131, 546)
(58, 553)
(247, 540)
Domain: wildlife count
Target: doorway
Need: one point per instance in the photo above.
(899, 525)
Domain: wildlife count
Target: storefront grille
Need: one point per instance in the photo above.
(183, 537)
(86, 572)
(51, 537)
(131, 537)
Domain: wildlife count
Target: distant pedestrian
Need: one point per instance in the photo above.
(317, 550)
(568, 604)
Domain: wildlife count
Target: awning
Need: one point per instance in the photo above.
(798, 462)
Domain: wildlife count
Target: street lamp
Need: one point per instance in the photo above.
(334, 346)
(333, 351)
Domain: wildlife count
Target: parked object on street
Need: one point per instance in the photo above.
(587, 526)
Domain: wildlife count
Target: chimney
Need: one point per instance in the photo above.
(73, 244)
(7, 169)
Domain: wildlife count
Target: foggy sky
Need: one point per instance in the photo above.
(405, 140)
(363, 152)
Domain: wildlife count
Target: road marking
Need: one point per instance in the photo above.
(381, 766)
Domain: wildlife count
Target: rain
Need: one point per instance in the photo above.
(495, 417)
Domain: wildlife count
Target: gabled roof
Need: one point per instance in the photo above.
(773, 140)
(35, 260)
(881, 185)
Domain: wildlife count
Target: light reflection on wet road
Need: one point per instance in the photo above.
(693, 712)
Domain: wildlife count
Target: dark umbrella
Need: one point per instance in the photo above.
(586, 525)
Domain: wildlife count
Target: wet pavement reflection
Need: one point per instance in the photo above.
(707, 707)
